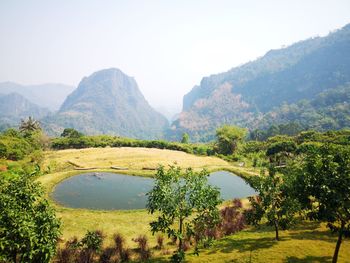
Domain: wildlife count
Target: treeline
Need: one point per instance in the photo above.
(76, 140)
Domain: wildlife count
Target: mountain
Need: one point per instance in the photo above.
(108, 102)
(48, 95)
(14, 107)
(245, 94)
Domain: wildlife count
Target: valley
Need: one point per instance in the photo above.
(254, 166)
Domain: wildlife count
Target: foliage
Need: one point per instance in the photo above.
(323, 184)
(71, 133)
(182, 199)
(279, 152)
(114, 141)
(90, 249)
(29, 229)
(329, 110)
(233, 219)
(228, 138)
(143, 248)
(185, 138)
(29, 125)
(274, 201)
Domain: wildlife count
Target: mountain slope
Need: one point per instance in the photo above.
(288, 75)
(14, 107)
(109, 102)
(48, 95)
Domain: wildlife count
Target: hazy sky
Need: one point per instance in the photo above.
(168, 46)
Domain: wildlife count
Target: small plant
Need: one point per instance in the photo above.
(143, 248)
(107, 254)
(233, 219)
(160, 242)
(126, 255)
(91, 244)
(119, 243)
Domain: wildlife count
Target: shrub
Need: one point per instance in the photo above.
(160, 242)
(119, 243)
(233, 219)
(143, 248)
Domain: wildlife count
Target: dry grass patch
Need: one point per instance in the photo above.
(135, 159)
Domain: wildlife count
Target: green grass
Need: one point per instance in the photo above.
(307, 242)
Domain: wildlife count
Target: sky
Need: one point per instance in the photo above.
(167, 46)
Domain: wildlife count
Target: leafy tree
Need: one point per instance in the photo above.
(29, 229)
(274, 201)
(324, 188)
(71, 133)
(29, 125)
(182, 200)
(185, 138)
(279, 152)
(228, 138)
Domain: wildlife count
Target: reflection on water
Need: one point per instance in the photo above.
(111, 191)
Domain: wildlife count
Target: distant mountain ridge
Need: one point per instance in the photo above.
(14, 107)
(243, 95)
(49, 95)
(108, 102)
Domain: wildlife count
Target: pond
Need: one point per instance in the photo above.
(110, 191)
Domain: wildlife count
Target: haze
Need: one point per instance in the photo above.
(168, 46)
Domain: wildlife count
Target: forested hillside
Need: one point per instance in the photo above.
(248, 95)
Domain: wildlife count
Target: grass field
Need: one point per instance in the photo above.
(307, 242)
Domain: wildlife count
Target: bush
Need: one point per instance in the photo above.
(29, 229)
(143, 248)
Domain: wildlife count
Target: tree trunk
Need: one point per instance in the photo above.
(276, 230)
(337, 247)
(180, 238)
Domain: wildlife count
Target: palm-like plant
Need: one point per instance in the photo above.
(29, 125)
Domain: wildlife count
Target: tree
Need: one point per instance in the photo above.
(274, 201)
(228, 138)
(30, 125)
(324, 188)
(281, 151)
(185, 138)
(29, 229)
(182, 200)
(71, 133)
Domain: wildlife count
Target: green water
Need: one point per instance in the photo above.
(110, 191)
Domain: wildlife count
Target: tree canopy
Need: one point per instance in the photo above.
(228, 138)
(323, 184)
(182, 200)
(29, 229)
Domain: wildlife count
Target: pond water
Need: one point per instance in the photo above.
(110, 191)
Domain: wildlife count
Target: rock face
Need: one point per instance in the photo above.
(14, 107)
(48, 95)
(109, 102)
(243, 95)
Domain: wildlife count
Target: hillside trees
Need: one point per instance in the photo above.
(182, 201)
(29, 229)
